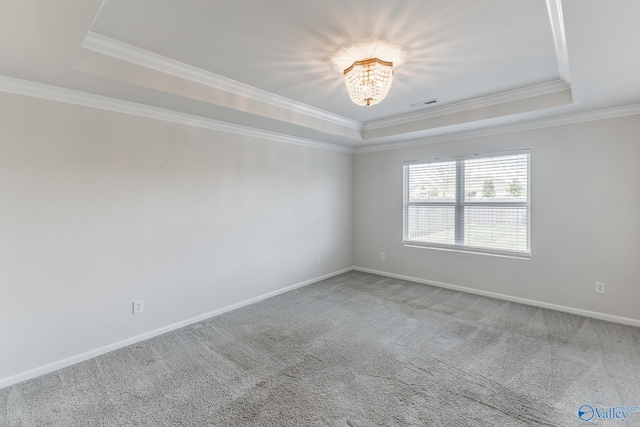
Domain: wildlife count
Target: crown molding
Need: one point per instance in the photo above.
(557, 27)
(587, 116)
(472, 104)
(125, 52)
(70, 96)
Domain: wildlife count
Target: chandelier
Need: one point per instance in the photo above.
(368, 81)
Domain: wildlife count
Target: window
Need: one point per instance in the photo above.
(475, 204)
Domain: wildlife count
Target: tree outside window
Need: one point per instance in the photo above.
(489, 190)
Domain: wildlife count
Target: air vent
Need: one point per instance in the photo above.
(423, 103)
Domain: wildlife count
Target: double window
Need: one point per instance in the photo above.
(475, 204)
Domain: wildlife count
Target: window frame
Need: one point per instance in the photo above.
(459, 204)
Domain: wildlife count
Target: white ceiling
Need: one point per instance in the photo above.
(274, 67)
(285, 47)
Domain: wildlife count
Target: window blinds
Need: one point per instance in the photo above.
(478, 204)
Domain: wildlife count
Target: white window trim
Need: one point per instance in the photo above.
(459, 205)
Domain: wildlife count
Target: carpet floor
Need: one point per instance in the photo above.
(355, 350)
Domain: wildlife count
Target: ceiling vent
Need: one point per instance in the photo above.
(424, 103)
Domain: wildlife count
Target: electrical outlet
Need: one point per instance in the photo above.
(318, 260)
(138, 306)
(600, 287)
(383, 255)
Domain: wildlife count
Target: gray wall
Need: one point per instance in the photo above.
(98, 209)
(585, 218)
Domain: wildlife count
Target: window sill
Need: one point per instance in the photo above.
(469, 250)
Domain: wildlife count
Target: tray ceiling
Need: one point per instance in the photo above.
(275, 67)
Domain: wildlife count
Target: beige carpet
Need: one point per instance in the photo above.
(355, 350)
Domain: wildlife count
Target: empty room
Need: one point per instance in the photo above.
(334, 213)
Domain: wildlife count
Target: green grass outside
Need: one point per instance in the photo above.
(508, 237)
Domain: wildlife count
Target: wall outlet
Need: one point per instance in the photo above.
(318, 260)
(383, 255)
(600, 287)
(138, 306)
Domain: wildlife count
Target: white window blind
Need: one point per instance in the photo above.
(479, 204)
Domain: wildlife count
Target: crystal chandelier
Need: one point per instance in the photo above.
(368, 81)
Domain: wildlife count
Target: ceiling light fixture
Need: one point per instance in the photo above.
(368, 81)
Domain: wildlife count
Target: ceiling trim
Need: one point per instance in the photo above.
(557, 27)
(588, 116)
(125, 52)
(70, 96)
(471, 104)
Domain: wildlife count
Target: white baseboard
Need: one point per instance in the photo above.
(580, 312)
(54, 366)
